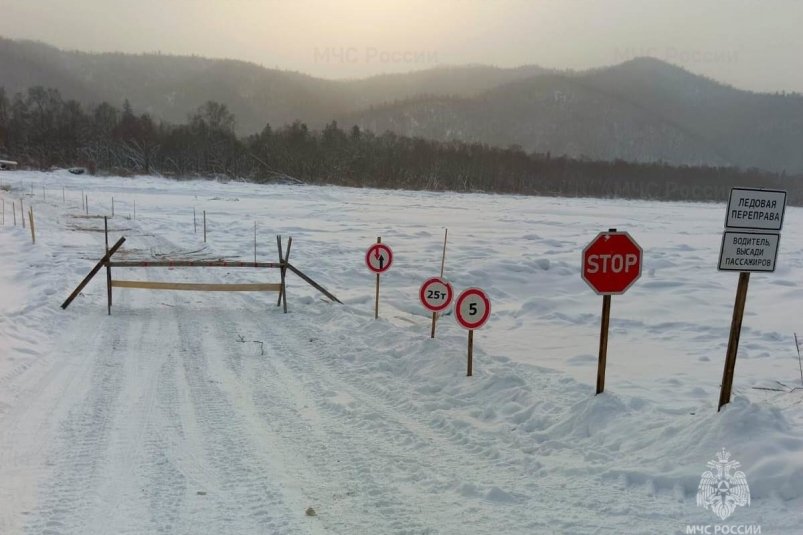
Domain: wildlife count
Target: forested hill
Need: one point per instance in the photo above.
(642, 110)
(169, 87)
(42, 130)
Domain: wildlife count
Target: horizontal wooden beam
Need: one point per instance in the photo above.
(193, 263)
(197, 287)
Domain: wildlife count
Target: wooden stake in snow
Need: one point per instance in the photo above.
(799, 361)
(86, 204)
(112, 206)
(22, 214)
(204, 226)
(194, 221)
(14, 212)
(443, 264)
(33, 229)
(108, 267)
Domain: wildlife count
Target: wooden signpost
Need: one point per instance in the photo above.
(611, 264)
(378, 258)
(753, 225)
(443, 264)
(472, 310)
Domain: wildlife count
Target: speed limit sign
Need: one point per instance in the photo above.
(436, 294)
(472, 309)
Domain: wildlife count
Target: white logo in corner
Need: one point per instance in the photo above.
(720, 490)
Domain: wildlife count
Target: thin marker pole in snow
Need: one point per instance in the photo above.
(204, 226)
(194, 221)
(255, 243)
(22, 214)
(376, 302)
(112, 206)
(135, 208)
(733, 340)
(14, 212)
(86, 204)
(443, 263)
(33, 228)
(799, 362)
(470, 362)
(108, 267)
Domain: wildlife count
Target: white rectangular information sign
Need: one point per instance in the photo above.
(748, 251)
(760, 209)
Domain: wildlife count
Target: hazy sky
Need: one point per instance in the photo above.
(753, 44)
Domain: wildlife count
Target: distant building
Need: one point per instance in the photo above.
(6, 165)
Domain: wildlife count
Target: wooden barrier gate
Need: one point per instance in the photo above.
(283, 265)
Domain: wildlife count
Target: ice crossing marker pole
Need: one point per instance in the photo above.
(443, 263)
(33, 229)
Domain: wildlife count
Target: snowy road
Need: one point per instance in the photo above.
(215, 413)
(208, 435)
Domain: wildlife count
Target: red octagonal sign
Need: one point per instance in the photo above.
(611, 263)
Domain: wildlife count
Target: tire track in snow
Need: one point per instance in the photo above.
(405, 465)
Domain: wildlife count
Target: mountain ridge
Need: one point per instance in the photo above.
(642, 110)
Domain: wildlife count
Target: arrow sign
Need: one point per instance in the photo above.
(379, 258)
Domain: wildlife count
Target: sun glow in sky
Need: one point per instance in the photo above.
(748, 43)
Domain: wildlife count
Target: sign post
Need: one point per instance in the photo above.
(443, 263)
(611, 264)
(753, 225)
(472, 310)
(378, 258)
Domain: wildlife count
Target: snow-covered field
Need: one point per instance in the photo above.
(158, 419)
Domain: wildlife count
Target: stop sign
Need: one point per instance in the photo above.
(611, 263)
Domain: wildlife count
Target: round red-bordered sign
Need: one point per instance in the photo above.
(379, 258)
(472, 308)
(436, 294)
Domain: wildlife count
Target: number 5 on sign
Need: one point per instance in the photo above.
(472, 310)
